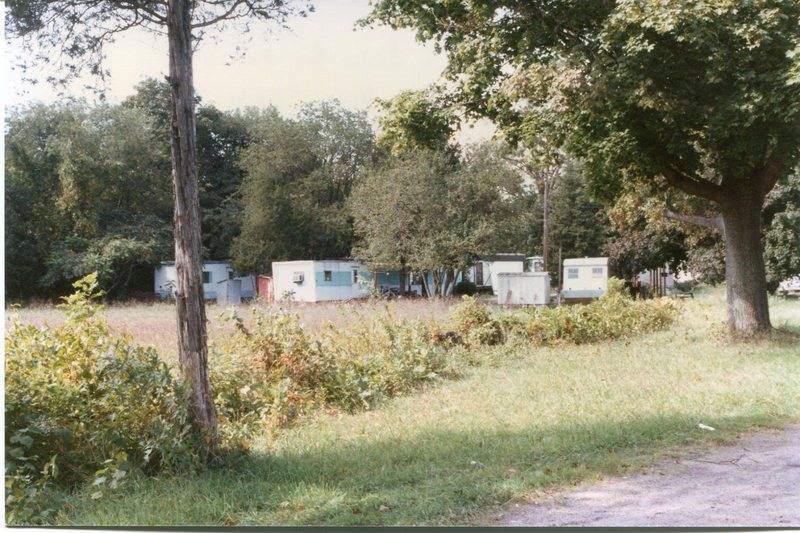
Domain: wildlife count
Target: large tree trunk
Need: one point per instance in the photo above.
(748, 311)
(190, 301)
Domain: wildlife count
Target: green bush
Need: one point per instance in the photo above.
(473, 323)
(466, 287)
(271, 372)
(82, 404)
(613, 316)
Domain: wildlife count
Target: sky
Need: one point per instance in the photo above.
(319, 57)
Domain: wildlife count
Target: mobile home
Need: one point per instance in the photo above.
(585, 279)
(214, 272)
(318, 281)
(484, 272)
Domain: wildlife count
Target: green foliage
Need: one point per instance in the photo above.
(782, 231)
(432, 215)
(412, 121)
(613, 316)
(577, 223)
(298, 176)
(83, 404)
(473, 324)
(272, 372)
(86, 189)
(466, 287)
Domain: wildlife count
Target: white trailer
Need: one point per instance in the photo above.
(485, 271)
(585, 278)
(166, 279)
(523, 288)
(318, 281)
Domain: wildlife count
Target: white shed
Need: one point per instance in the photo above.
(585, 278)
(166, 279)
(318, 281)
(523, 288)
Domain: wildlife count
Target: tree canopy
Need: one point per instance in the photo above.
(299, 174)
(701, 97)
(429, 214)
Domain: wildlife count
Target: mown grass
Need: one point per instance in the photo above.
(529, 420)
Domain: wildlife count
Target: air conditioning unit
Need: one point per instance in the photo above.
(297, 277)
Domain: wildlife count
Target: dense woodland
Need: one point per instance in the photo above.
(88, 188)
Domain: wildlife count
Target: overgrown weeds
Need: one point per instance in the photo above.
(86, 406)
(83, 404)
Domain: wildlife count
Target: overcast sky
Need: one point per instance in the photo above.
(320, 57)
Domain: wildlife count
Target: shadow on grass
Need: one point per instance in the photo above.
(433, 476)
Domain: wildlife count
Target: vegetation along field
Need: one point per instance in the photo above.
(390, 419)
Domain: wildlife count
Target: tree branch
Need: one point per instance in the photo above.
(702, 188)
(706, 222)
(224, 16)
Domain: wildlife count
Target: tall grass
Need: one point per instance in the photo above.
(154, 324)
(530, 420)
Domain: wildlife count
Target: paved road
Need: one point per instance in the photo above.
(755, 482)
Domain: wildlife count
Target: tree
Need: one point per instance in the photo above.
(425, 212)
(86, 192)
(541, 164)
(77, 30)
(782, 231)
(413, 121)
(699, 97)
(299, 174)
(578, 224)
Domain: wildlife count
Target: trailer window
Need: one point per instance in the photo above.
(328, 275)
(597, 272)
(572, 273)
(355, 275)
(206, 276)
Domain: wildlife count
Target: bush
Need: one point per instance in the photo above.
(271, 372)
(465, 288)
(473, 324)
(613, 316)
(81, 404)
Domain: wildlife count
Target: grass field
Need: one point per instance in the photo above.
(528, 420)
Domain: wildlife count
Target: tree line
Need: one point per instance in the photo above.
(89, 189)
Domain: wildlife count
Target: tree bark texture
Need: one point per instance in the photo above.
(190, 300)
(745, 278)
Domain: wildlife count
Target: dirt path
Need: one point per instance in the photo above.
(755, 482)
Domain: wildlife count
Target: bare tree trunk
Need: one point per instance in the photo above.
(748, 310)
(426, 285)
(403, 275)
(190, 302)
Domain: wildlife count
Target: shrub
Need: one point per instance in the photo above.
(473, 323)
(271, 372)
(82, 404)
(465, 288)
(611, 317)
